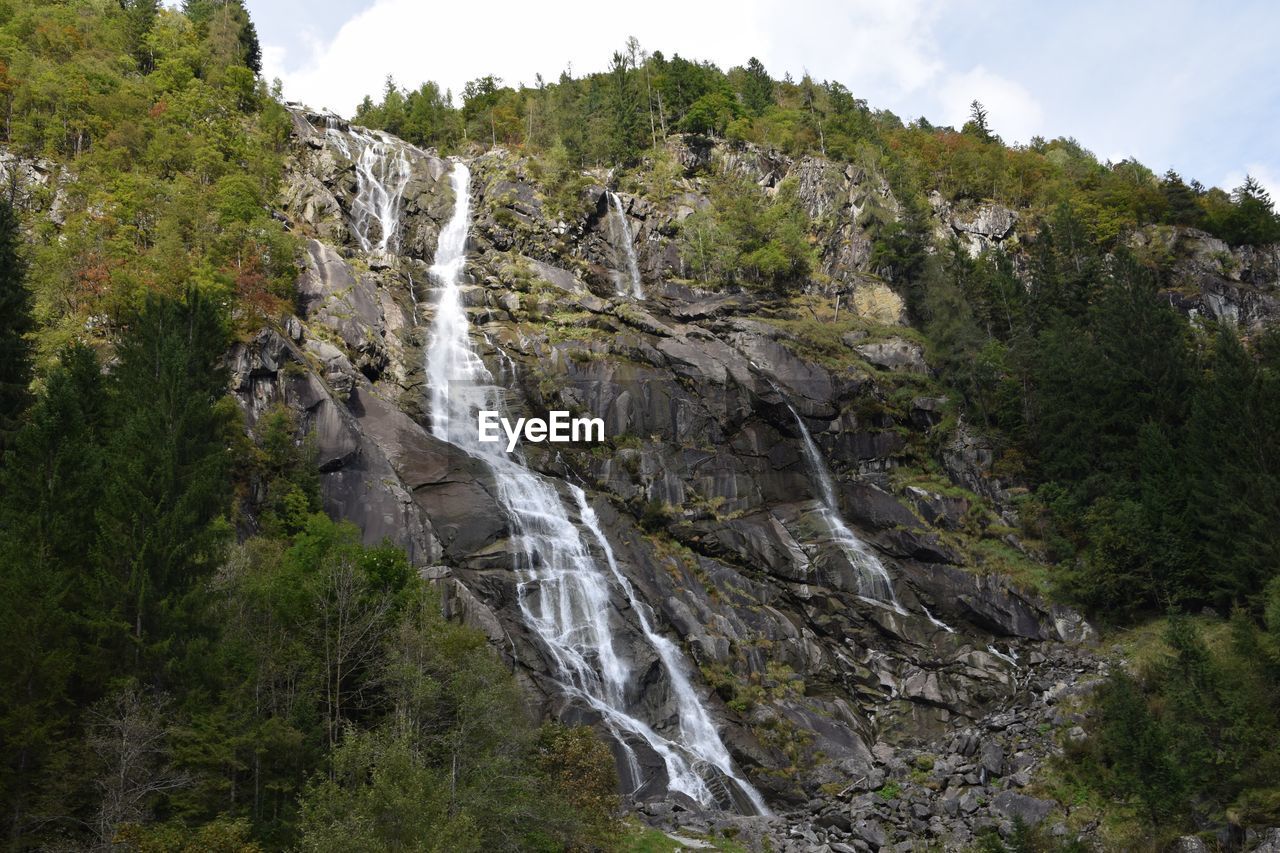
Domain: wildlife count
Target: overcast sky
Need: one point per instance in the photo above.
(1190, 85)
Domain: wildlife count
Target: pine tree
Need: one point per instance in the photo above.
(977, 123)
(168, 481)
(1253, 218)
(624, 111)
(1181, 206)
(140, 17)
(223, 21)
(1137, 750)
(1232, 479)
(757, 88)
(49, 493)
(1065, 269)
(15, 325)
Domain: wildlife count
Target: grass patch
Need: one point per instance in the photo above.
(891, 790)
(991, 556)
(1145, 649)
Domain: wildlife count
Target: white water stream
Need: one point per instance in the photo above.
(382, 173)
(564, 593)
(873, 579)
(627, 239)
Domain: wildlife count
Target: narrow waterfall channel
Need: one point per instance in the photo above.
(874, 582)
(627, 239)
(382, 173)
(564, 593)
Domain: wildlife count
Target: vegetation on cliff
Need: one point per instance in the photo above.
(196, 658)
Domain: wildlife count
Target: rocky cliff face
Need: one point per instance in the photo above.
(1210, 279)
(944, 704)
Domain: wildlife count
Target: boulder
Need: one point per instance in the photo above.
(1269, 841)
(895, 354)
(1015, 806)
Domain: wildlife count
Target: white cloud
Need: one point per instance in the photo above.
(884, 52)
(1039, 70)
(453, 43)
(273, 61)
(873, 47)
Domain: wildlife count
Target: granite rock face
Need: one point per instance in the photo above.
(1210, 279)
(713, 513)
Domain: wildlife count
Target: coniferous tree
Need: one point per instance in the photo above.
(1233, 477)
(950, 325)
(1181, 206)
(49, 493)
(140, 17)
(1136, 748)
(1065, 269)
(977, 123)
(624, 111)
(757, 89)
(228, 29)
(15, 325)
(1252, 219)
(168, 481)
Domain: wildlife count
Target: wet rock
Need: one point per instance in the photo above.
(704, 496)
(358, 481)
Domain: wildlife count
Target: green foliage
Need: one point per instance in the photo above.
(1251, 218)
(425, 116)
(710, 115)
(745, 239)
(217, 836)
(1194, 737)
(300, 687)
(977, 125)
(458, 765)
(168, 484)
(757, 87)
(891, 790)
(50, 489)
(286, 465)
(174, 147)
(610, 117)
(15, 327)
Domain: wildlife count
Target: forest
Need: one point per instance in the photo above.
(195, 657)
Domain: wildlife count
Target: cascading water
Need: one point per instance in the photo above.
(382, 173)
(873, 579)
(564, 595)
(628, 247)
(700, 734)
(936, 622)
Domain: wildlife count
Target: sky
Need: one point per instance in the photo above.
(1193, 86)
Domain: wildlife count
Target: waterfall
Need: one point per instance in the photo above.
(564, 594)
(873, 579)
(1011, 658)
(936, 622)
(628, 247)
(695, 722)
(382, 173)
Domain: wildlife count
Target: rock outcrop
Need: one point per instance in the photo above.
(1210, 279)
(828, 700)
